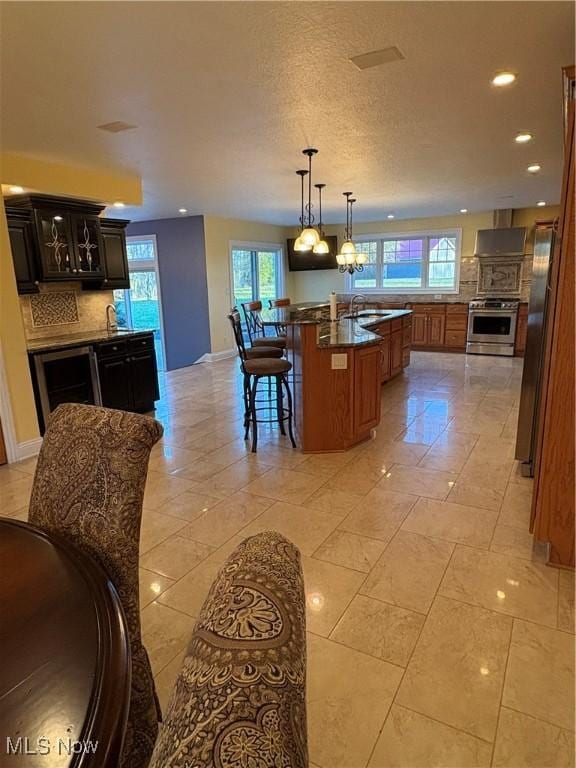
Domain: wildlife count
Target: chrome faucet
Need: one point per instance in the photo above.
(111, 322)
(353, 302)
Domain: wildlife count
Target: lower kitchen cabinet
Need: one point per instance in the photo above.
(116, 383)
(436, 329)
(386, 359)
(144, 380)
(419, 329)
(456, 326)
(367, 363)
(128, 373)
(396, 353)
(428, 325)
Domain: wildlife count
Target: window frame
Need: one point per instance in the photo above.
(241, 245)
(427, 234)
(147, 265)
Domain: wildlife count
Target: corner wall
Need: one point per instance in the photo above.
(183, 287)
(13, 346)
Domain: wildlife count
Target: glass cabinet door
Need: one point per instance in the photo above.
(88, 246)
(56, 244)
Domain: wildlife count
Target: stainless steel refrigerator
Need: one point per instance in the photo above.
(533, 357)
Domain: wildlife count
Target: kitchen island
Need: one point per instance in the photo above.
(338, 370)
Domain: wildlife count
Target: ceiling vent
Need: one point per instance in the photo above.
(116, 127)
(376, 58)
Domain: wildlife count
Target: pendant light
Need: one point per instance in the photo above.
(309, 234)
(349, 259)
(321, 246)
(299, 245)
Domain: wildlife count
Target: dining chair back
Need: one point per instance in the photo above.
(284, 302)
(236, 323)
(88, 489)
(240, 697)
(254, 328)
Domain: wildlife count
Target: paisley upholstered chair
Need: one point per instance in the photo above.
(239, 700)
(88, 488)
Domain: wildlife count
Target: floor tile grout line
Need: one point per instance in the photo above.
(411, 655)
(538, 719)
(502, 691)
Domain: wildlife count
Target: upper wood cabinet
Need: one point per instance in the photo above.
(115, 256)
(58, 239)
(23, 247)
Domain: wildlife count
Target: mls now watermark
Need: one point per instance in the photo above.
(22, 745)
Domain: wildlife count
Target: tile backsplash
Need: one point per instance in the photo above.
(62, 309)
(54, 309)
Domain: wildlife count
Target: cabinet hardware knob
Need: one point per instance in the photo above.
(74, 270)
(105, 279)
(36, 282)
(114, 349)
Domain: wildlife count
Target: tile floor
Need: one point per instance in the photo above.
(436, 634)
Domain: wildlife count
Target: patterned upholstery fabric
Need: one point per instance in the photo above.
(239, 701)
(88, 487)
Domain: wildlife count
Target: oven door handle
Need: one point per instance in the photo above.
(493, 312)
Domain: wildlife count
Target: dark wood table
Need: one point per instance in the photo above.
(64, 655)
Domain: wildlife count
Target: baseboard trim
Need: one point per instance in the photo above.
(215, 357)
(28, 448)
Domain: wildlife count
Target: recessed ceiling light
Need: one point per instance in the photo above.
(463, 210)
(390, 216)
(118, 204)
(523, 138)
(534, 168)
(16, 190)
(117, 126)
(503, 78)
(541, 203)
(182, 210)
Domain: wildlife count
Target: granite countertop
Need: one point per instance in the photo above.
(78, 339)
(356, 332)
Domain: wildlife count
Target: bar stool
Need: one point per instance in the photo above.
(274, 369)
(284, 302)
(256, 332)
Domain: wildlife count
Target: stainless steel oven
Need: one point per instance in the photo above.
(492, 327)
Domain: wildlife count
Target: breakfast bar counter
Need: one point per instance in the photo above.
(338, 368)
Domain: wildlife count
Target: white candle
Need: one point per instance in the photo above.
(333, 307)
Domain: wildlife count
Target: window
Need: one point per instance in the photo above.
(257, 272)
(139, 307)
(410, 263)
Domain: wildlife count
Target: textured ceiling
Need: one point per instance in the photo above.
(225, 96)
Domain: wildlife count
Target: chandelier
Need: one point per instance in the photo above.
(310, 238)
(349, 259)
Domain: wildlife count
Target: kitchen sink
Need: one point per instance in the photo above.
(367, 316)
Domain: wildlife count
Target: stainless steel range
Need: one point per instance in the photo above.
(492, 326)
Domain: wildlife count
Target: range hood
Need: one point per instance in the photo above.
(503, 240)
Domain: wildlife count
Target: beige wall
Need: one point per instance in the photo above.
(13, 343)
(311, 286)
(218, 234)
